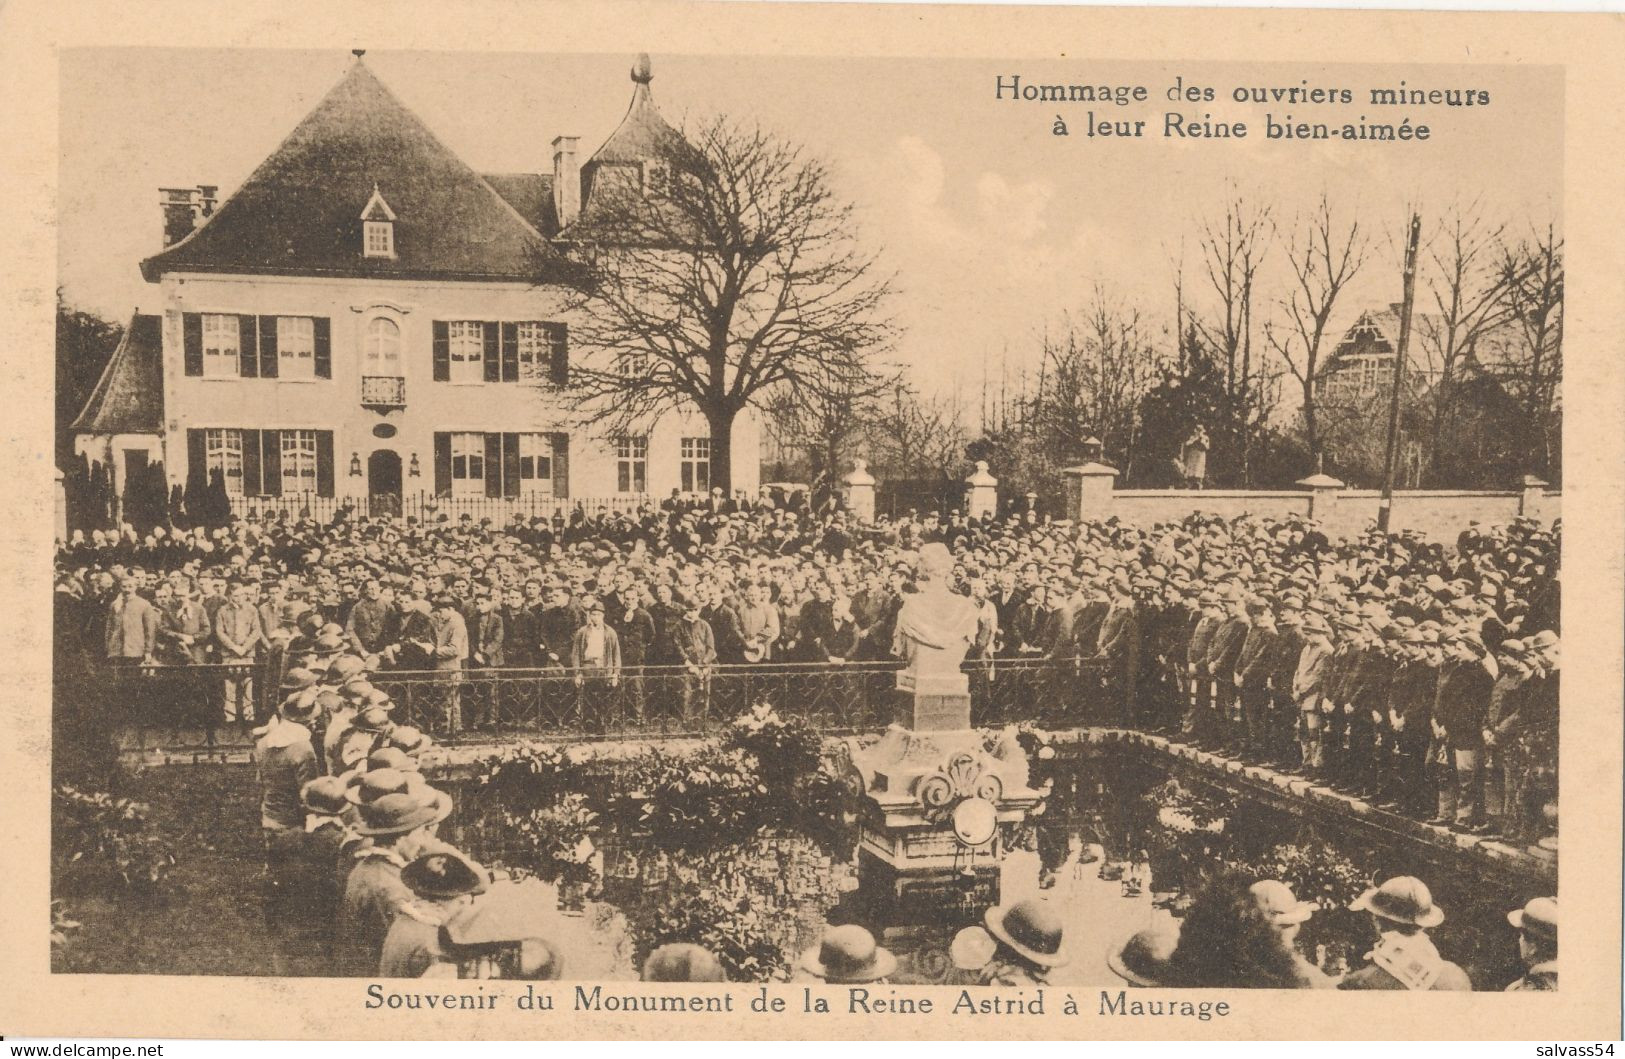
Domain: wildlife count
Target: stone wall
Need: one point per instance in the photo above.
(1437, 514)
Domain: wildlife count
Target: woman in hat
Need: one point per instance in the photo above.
(1029, 937)
(1229, 941)
(442, 885)
(848, 955)
(1402, 910)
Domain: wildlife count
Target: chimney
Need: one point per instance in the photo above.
(207, 198)
(566, 179)
(180, 213)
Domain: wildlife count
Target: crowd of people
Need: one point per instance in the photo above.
(1421, 675)
(1416, 673)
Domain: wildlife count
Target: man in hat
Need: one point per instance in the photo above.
(1120, 649)
(1458, 716)
(1029, 935)
(1402, 910)
(501, 934)
(373, 623)
(848, 955)
(595, 657)
(1536, 924)
(285, 761)
(1308, 684)
(450, 653)
(1500, 719)
(1282, 909)
(1254, 668)
(1208, 618)
(682, 962)
(1222, 655)
(1411, 695)
(401, 825)
(442, 885)
(1141, 959)
(315, 859)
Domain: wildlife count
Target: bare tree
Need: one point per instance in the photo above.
(734, 273)
(1325, 255)
(1098, 366)
(1532, 275)
(1233, 249)
(1468, 294)
(825, 426)
(920, 438)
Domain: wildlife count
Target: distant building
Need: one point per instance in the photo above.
(367, 318)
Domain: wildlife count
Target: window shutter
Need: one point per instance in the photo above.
(442, 373)
(248, 347)
(324, 463)
(510, 465)
(492, 353)
(510, 352)
(270, 442)
(192, 342)
(558, 347)
(197, 460)
(268, 365)
(561, 465)
(442, 459)
(322, 329)
(252, 473)
(493, 465)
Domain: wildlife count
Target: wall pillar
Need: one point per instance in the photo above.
(858, 491)
(1089, 489)
(1324, 491)
(1533, 492)
(981, 492)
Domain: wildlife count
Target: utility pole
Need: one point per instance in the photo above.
(1385, 509)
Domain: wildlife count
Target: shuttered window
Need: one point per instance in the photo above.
(298, 461)
(468, 465)
(296, 347)
(222, 346)
(223, 452)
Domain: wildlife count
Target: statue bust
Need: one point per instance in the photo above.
(934, 628)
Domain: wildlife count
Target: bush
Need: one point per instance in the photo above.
(103, 842)
(784, 750)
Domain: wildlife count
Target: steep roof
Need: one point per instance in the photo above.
(642, 134)
(532, 195)
(299, 213)
(129, 397)
(1376, 332)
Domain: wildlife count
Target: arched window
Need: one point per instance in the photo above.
(381, 353)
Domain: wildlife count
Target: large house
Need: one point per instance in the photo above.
(368, 319)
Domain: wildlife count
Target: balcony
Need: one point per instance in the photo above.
(383, 391)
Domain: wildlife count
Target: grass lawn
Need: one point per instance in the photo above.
(204, 918)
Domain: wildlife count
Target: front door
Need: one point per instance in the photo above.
(384, 483)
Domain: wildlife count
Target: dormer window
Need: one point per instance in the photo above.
(377, 227)
(380, 239)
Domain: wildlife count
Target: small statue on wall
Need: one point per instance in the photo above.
(1193, 459)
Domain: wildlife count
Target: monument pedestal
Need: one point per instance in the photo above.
(935, 792)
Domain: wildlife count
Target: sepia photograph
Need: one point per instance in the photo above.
(641, 522)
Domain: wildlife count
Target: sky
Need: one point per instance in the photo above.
(993, 225)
